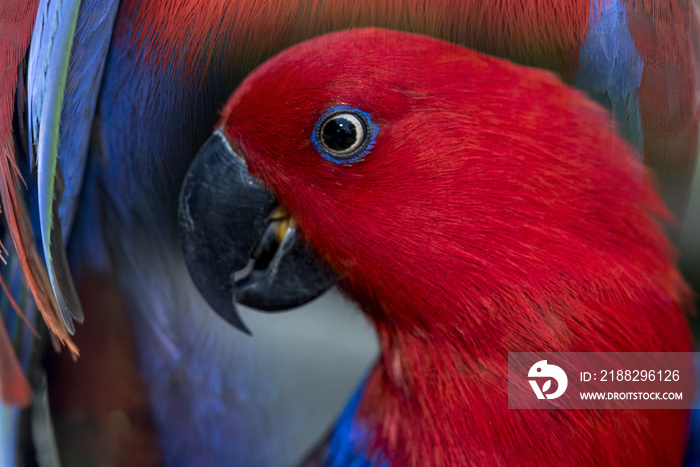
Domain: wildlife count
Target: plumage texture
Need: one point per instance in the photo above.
(16, 20)
(667, 38)
(65, 64)
(497, 211)
(662, 36)
(30, 284)
(92, 35)
(170, 67)
(610, 68)
(55, 27)
(522, 31)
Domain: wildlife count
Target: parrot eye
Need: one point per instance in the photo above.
(343, 134)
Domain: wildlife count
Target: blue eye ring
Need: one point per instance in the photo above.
(364, 130)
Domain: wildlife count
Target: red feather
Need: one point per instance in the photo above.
(14, 387)
(667, 36)
(498, 211)
(250, 31)
(16, 21)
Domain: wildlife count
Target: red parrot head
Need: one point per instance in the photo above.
(471, 207)
(446, 190)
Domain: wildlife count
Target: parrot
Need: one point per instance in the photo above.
(104, 106)
(470, 207)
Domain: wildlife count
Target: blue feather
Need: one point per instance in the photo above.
(217, 397)
(66, 61)
(692, 456)
(348, 445)
(91, 42)
(52, 40)
(610, 68)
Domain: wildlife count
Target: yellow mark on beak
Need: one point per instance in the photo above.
(282, 222)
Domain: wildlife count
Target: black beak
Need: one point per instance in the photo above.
(227, 230)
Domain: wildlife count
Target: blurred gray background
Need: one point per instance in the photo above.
(690, 236)
(322, 350)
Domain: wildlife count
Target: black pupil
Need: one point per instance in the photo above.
(339, 134)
